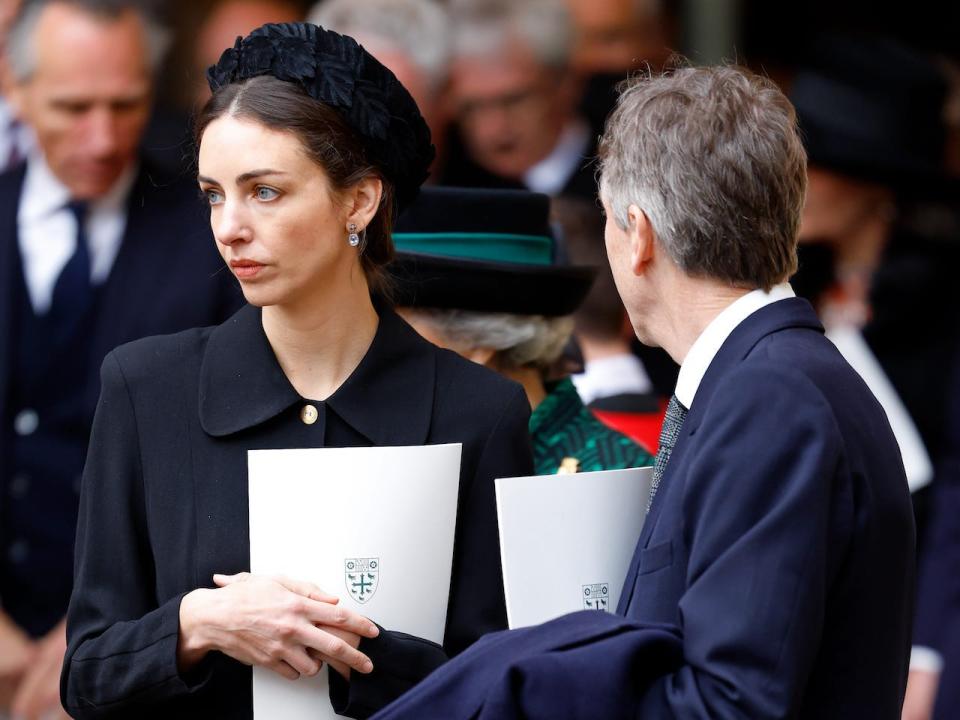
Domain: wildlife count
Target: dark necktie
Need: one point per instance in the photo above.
(73, 293)
(669, 433)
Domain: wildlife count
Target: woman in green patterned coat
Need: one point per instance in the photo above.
(476, 272)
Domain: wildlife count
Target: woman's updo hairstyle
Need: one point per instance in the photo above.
(351, 114)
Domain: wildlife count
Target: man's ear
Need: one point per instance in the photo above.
(363, 201)
(642, 239)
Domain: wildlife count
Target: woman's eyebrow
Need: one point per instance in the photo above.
(245, 177)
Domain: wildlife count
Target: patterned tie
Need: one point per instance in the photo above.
(73, 292)
(669, 432)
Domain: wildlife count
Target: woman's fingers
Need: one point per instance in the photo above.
(340, 617)
(333, 648)
(302, 661)
(307, 589)
(282, 668)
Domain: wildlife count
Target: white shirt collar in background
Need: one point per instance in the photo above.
(613, 375)
(47, 230)
(706, 347)
(551, 174)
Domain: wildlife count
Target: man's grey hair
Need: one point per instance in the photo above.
(21, 43)
(483, 27)
(520, 340)
(419, 29)
(713, 157)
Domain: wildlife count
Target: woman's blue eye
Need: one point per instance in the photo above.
(266, 193)
(214, 197)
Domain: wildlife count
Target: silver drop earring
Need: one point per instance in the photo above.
(353, 238)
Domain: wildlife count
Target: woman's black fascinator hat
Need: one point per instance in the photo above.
(335, 70)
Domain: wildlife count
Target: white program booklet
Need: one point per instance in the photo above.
(566, 540)
(373, 526)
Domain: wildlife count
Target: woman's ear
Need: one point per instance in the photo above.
(363, 201)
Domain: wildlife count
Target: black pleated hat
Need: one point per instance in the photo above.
(485, 251)
(872, 109)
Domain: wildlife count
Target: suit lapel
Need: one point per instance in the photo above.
(781, 315)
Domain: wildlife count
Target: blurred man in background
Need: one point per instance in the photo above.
(514, 97)
(227, 21)
(411, 37)
(98, 249)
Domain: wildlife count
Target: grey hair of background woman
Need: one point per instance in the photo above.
(420, 29)
(713, 157)
(482, 27)
(21, 47)
(520, 340)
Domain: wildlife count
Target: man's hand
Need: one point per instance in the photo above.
(921, 695)
(38, 695)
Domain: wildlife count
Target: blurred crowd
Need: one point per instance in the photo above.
(96, 101)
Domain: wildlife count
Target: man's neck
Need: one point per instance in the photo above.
(695, 304)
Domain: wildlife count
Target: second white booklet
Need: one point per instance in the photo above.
(374, 526)
(566, 540)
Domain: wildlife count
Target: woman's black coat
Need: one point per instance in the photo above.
(164, 504)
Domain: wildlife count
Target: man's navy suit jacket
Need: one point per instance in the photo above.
(780, 546)
(167, 277)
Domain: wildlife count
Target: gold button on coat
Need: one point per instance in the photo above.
(309, 414)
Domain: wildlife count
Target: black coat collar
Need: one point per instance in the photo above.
(388, 398)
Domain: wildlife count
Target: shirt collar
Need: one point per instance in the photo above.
(708, 344)
(551, 174)
(388, 398)
(44, 194)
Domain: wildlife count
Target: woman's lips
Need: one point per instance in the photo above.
(246, 269)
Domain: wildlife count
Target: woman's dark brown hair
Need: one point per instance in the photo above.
(328, 140)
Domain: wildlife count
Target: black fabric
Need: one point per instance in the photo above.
(871, 108)
(165, 503)
(452, 282)
(165, 278)
(477, 210)
(431, 281)
(335, 70)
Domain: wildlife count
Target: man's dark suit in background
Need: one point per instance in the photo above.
(167, 276)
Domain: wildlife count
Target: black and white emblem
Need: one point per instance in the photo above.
(362, 576)
(596, 596)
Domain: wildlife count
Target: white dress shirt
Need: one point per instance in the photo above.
(550, 175)
(613, 375)
(47, 229)
(708, 344)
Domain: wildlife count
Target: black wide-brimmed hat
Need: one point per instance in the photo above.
(485, 251)
(335, 70)
(872, 109)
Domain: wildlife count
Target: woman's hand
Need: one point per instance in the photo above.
(271, 622)
(352, 639)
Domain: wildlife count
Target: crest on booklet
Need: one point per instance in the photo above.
(362, 576)
(596, 596)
